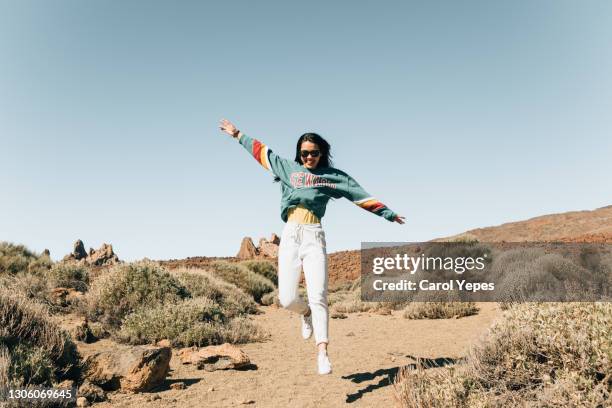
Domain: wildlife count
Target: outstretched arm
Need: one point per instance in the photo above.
(357, 194)
(265, 157)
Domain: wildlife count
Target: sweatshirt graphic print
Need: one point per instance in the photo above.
(312, 188)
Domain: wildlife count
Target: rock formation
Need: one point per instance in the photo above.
(268, 248)
(102, 256)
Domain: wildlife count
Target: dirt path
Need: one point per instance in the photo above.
(366, 350)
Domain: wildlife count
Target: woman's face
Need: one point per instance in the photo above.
(309, 161)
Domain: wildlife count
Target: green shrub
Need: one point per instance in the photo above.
(18, 258)
(169, 321)
(251, 282)
(30, 365)
(198, 322)
(67, 275)
(201, 283)
(263, 268)
(129, 287)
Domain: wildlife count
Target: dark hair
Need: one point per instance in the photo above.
(324, 147)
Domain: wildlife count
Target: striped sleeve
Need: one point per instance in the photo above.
(355, 193)
(266, 157)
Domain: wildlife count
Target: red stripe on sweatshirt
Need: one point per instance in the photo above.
(257, 147)
(373, 206)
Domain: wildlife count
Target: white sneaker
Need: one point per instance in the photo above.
(324, 363)
(307, 326)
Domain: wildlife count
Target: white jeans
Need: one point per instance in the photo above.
(303, 245)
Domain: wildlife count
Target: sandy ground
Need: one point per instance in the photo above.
(366, 351)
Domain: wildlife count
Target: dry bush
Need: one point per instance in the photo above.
(32, 286)
(533, 275)
(143, 303)
(539, 355)
(242, 330)
(69, 275)
(271, 298)
(439, 310)
(18, 258)
(264, 268)
(37, 350)
(350, 301)
(198, 322)
(200, 283)
(129, 287)
(169, 321)
(250, 282)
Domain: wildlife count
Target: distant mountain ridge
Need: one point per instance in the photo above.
(574, 226)
(568, 226)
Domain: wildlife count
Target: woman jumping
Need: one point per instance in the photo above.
(307, 184)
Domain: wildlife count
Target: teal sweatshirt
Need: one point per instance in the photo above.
(312, 188)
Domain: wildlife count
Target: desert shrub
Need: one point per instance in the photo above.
(250, 282)
(350, 301)
(532, 275)
(242, 330)
(30, 365)
(341, 286)
(439, 310)
(270, 298)
(200, 283)
(264, 268)
(69, 275)
(169, 321)
(127, 288)
(18, 258)
(32, 286)
(198, 322)
(38, 350)
(540, 355)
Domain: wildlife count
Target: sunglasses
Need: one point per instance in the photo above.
(313, 153)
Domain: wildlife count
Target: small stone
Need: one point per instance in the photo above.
(350, 334)
(82, 402)
(178, 386)
(154, 397)
(392, 358)
(247, 401)
(211, 389)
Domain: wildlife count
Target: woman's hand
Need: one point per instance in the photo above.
(399, 219)
(229, 128)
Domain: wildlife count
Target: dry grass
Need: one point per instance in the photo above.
(38, 350)
(540, 355)
(439, 310)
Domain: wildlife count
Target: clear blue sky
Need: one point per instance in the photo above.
(455, 114)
